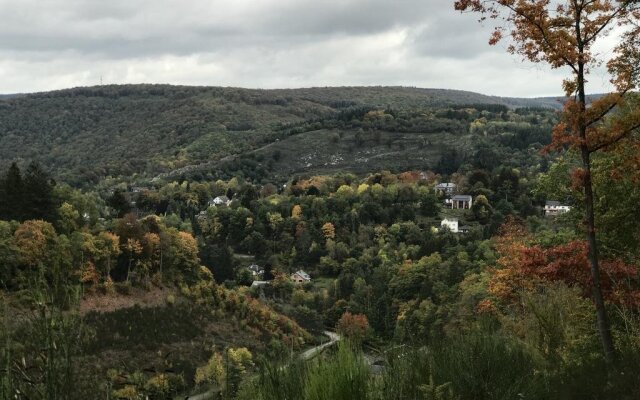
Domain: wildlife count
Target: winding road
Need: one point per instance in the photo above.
(306, 355)
(314, 351)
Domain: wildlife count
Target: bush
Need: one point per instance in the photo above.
(485, 366)
(123, 288)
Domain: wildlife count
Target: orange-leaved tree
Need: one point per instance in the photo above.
(562, 33)
(353, 326)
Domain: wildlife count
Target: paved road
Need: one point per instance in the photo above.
(307, 355)
(334, 338)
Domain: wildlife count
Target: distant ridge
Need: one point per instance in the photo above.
(10, 96)
(372, 95)
(86, 134)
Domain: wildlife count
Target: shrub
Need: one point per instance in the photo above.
(123, 288)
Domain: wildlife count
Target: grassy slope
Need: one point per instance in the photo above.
(86, 134)
(316, 153)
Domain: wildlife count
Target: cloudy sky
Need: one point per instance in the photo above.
(54, 44)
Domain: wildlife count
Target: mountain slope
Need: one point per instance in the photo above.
(83, 135)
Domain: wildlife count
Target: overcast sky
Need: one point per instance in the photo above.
(54, 44)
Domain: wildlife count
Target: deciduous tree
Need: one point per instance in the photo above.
(562, 34)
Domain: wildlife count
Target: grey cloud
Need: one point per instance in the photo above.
(174, 27)
(54, 44)
(345, 17)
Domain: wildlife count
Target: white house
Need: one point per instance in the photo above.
(450, 223)
(446, 188)
(255, 270)
(219, 201)
(552, 208)
(462, 201)
(300, 277)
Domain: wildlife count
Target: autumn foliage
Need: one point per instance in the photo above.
(353, 326)
(525, 265)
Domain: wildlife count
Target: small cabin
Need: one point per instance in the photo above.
(300, 277)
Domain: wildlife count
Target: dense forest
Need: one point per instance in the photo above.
(85, 136)
(497, 310)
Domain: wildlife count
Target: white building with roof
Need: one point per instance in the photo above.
(447, 188)
(552, 208)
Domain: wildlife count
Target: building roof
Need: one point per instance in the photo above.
(462, 197)
(303, 275)
(552, 203)
(445, 185)
(255, 268)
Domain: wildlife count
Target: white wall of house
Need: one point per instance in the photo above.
(451, 224)
(555, 210)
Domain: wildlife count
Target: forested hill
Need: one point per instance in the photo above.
(83, 135)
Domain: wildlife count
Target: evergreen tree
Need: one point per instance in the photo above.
(11, 201)
(38, 188)
(219, 260)
(119, 203)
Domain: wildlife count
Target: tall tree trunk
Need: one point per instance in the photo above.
(603, 322)
(604, 328)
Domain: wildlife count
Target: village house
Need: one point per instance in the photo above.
(219, 201)
(446, 188)
(450, 223)
(300, 277)
(255, 270)
(462, 201)
(137, 189)
(553, 207)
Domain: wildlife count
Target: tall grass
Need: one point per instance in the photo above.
(482, 366)
(39, 344)
(343, 377)
(406, 369)
(476, 366)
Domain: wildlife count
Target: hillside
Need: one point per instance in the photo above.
(83, 135)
